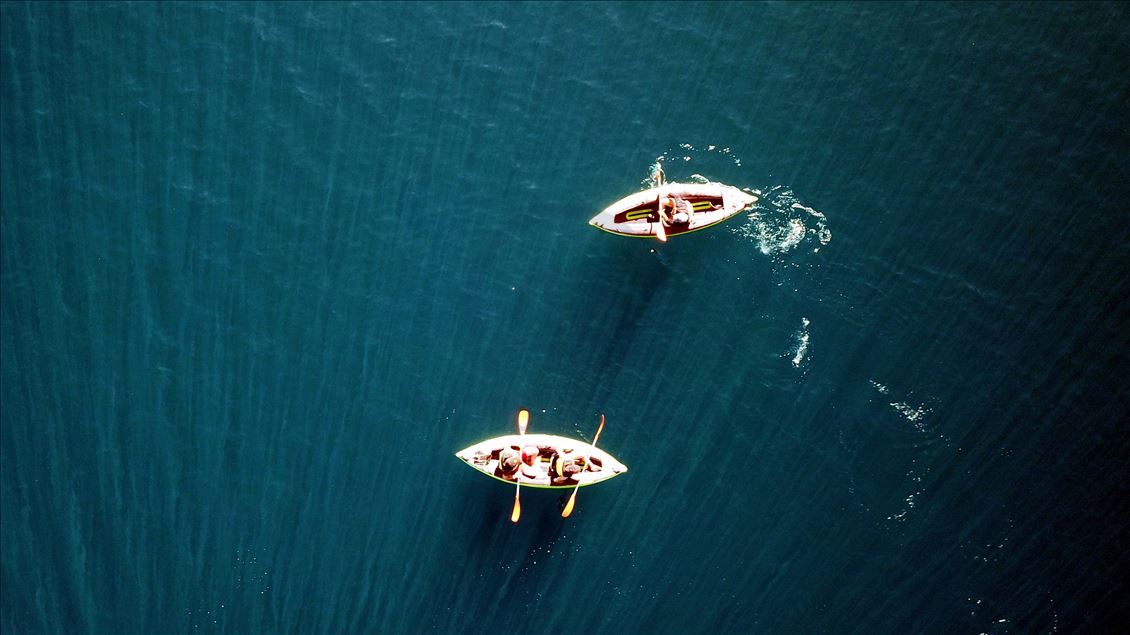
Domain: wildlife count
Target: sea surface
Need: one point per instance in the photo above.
(266, 267)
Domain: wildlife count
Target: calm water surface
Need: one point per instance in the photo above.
(265, 267)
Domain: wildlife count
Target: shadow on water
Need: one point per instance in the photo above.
(628, 284)
(506, 556)
(485, 508)
(620, 285)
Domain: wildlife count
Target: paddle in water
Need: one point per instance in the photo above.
(523, 420)
(659, 177)
(573, 497)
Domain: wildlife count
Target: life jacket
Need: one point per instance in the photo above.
(556, 465)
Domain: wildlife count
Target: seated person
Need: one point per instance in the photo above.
(509, 460)
(531, 467)
(564, 468)
(681, 210)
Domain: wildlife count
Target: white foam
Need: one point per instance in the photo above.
(802, 343)
(912, 414)
(783, 241)
(809, 210)
(777, 228)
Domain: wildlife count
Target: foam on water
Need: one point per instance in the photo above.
(780, 223)
(802, 343)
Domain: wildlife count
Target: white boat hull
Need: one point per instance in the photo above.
(638, 214)
(473, 456)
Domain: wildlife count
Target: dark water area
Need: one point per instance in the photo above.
(265, 267)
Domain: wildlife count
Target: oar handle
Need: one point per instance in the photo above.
(523, 421)
(573, 497)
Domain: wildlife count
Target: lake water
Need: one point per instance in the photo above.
(265, 267)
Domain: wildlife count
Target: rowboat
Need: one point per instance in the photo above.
(483, 457)
(637, 214)
(533, 469)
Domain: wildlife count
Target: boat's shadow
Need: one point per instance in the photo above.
(485, 511)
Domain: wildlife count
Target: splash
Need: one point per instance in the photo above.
(688, 152)
(802, 343)
(912, 414)
(709, 158)
(915, 414)
(910, 502)
(922, 435)
(780, 223)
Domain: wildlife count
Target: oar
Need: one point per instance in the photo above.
(573, 498)
(523, 419)
(660, 232)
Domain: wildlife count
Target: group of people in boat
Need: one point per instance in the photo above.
(561, 466)
(673, 209)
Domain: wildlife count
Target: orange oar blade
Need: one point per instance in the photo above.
(573, 498)
(517, 511)
(601, 427)
(523, 420)
(569, 506)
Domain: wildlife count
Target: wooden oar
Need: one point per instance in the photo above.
(523, 420)
(657, 174)
(573, 497)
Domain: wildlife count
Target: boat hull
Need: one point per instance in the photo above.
(610, 466)
(637, 215)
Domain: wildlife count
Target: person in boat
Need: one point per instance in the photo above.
(509, 460)
(675, 210)
(531, 468)
(564, 468)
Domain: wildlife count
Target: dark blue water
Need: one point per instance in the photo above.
(265, 267)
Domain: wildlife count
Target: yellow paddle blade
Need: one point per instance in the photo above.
(573, 497)
(523, 420)
(517, 505)
(569, 506)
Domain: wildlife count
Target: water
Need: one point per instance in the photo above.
(266, 266)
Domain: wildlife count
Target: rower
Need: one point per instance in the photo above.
(530, 457)
(564, 467)
(509, 460)
(681, 210)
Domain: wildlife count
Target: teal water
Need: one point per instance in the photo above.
(265, 267)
